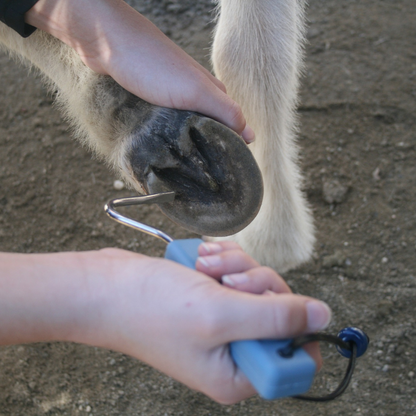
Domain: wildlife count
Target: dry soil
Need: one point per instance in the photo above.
(358, 148)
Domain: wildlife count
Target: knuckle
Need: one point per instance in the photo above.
(236, 117)
(268, 272)
(228, 391)
(235, 253)
(274, 280)
(289, 319)
(230, 245)
(237, 259)
(222, 86)
(280, 317)
(190, 97)
(194, 92)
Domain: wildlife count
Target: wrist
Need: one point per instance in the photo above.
(49, 297)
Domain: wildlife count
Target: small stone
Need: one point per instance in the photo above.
(405, 146)
(400, 350)
(336, 259)
(118, 185)
(88, 409)
(411, 374)
(385, 368)
(334, 192)
(174, 8)
(384, 308)
(37, 122)
(376, 174)
(384, 260)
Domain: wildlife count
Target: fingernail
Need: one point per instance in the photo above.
(248, 134)
(211, 248)
(319, 315)
(234, 279)
(210, 261)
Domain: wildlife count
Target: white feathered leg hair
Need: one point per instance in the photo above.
(257, 53)
(87, 99)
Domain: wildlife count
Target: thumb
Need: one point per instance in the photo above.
(285, 315)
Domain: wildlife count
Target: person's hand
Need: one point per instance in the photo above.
(114, 39)
(181, 321)
(175, 319)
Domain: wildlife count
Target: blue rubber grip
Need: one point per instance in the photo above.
(272, 375)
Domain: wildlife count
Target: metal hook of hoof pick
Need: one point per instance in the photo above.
(182, 251)
(275, 368)
(110, 209)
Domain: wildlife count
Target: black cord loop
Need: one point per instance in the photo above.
(332, 339)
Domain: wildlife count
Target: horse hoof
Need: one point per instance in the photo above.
(217, 183)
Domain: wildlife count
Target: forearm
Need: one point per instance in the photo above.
(47, 297)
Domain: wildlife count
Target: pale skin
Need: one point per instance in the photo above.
(114, 39)
(175, 319)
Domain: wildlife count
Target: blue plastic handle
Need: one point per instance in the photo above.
(272, 375)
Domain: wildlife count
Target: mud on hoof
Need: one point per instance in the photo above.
(217, 182)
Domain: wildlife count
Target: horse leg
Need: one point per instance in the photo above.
(154, 149)
(257, 54)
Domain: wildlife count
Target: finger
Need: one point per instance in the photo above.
(244, 389)
(227, 262)
(220, 106)
(238, 388)
(313, 350)
(256, 280)
(211, 77)
(206, 249)
(248, 316)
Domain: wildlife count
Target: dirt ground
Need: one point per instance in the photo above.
(358, 141)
